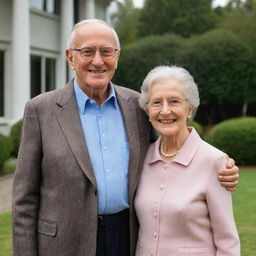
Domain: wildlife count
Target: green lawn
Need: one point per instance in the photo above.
(5, 235)
(244, 200)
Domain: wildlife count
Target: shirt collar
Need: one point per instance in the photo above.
(187, 151)
(82, 99)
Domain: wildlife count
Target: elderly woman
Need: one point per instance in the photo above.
(181, 207)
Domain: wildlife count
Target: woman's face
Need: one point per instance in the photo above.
(168, 107)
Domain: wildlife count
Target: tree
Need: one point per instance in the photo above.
(104, 3)
(242, 22)
(221, 63)
(183, 17)
(139, 58)
(224, 67)
(125, 21)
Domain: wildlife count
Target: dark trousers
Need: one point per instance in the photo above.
(113, 237)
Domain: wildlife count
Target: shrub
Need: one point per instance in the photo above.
(5, 149)
(224, 69)
(9, 166)
(15, 137)
(236, 137)
(139, 58)
(198, 127)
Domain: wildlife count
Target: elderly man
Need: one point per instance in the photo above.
(81, 153)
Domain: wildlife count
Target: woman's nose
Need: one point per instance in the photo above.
(165, 108)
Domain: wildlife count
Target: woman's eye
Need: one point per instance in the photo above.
(174, 101)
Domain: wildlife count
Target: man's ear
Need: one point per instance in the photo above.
(70, 58)
(117, 56)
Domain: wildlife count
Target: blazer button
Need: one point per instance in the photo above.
(95, 192)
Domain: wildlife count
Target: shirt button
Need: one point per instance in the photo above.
(105, 148)
(152, 252)
(155, 214)
(162, 187)
(103, 135)
(155, 235)
(108, 170)
(157, 202)
(100, 115)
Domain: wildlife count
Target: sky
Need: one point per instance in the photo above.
(139, 3)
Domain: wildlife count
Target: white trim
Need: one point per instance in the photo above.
(45, 14)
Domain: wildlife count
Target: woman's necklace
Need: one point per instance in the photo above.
(164, 154)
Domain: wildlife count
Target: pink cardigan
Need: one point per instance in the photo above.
(181, 206)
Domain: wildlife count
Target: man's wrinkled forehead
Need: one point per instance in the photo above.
(94, 30)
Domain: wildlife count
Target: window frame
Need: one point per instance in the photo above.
(43, 72)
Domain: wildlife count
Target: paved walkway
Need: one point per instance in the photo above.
(6, 193)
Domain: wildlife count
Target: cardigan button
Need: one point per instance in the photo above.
(95, 192)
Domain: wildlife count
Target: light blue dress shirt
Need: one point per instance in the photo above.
(108, 148)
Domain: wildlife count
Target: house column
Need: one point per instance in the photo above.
(20, 57)
(89, 9)
(67, 21)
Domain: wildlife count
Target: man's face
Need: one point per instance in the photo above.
(93, 74)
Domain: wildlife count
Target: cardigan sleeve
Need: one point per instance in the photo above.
(219, 202)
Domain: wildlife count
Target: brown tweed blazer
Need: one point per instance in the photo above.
(54, 191)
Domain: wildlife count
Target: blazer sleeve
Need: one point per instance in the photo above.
(219, 203)
(26, 186)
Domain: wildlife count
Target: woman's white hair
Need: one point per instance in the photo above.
(164, 73)
(91, 22)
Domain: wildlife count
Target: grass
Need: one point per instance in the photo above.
(244, 201)
(244, 210)
(5, 235)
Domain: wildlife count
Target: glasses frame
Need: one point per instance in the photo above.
(91, 57)
(169, 105)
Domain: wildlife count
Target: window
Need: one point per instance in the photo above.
(35, 77)
(50, 6)
(1, 83)
(76, 11)
(50, 71)
(43, 77)
(37, 4)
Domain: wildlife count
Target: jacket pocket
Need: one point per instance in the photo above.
(47, 228)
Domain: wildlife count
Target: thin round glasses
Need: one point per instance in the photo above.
(172, 103)
(106, 53)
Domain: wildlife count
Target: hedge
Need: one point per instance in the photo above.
(137, 59)
(198, 127)
(236, 137)
(5, 149)
(15, 137)
(221, 63)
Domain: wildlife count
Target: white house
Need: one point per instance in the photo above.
(33, 37)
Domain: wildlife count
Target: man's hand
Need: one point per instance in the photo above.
(229, 176)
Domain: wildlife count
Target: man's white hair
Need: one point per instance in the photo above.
(91, 22)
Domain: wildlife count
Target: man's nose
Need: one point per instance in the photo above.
(97, 59)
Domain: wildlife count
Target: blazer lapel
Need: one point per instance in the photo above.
(70, 123)
(130, 120)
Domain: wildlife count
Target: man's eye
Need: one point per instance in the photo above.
(106, 51)
(156, 103)
(87, 52)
